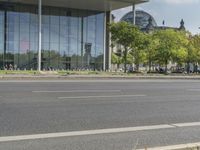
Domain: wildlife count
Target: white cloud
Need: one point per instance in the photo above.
(180, 1)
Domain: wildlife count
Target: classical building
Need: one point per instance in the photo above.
(142, 19)
(57, 34)
(146, 22)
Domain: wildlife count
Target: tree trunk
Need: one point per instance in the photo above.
(150, 65)
(137, 67)
(118, 66)
(188, 67)
(125, 60)
(166, 63)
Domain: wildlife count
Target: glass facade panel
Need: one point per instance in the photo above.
(2, 14)
(71, 38)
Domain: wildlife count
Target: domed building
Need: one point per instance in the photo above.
(142, 19)
(147, 23)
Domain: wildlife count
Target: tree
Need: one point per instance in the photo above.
(139, 46)
(170, 43)
(196, 44)
(116, 59)
(193, 51)
(180, 53)
(151, 45)
(124, 34)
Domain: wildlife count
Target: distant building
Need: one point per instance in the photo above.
(142, 19)
(147, 23)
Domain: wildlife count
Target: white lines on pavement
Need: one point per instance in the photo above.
(194, 90)
(110, 96)
(191, 124)
(175, 147)
(98, 132)
(82, 133)
(79, 91)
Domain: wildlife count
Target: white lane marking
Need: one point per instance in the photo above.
(82, 133)
(78, 91)
(194, 90)
(175, 147)
(111, 96)
(97, 132)
(191, 124)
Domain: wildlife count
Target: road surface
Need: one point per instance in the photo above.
(98, 114)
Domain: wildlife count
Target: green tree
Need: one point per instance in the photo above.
(116, 60)
(152, 44)
(139, 46)
(180, 53)
(170, 43)
(124, 34)
(193, 51)
(196, 44)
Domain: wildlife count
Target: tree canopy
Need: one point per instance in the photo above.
(158, 47)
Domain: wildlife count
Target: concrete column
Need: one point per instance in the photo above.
(39, 34)
(108, 42)
(134, 13)
(104, 52)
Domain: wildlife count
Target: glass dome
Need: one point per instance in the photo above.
(142, 18)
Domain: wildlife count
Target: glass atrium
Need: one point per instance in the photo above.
(71, 38)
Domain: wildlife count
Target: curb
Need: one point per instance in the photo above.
(189, 146)
(81, 77)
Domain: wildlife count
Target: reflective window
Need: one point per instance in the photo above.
(71, 39)
(1, 37)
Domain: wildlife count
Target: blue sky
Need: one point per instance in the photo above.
(172, 11)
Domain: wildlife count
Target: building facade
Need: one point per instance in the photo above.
(49, 34)
(141, 18)
(147, 23)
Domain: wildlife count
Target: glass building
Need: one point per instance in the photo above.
(73, 36)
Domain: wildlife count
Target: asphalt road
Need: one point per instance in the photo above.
(35, 108)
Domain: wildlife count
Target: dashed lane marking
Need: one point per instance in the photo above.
(110, 96)
(79, 91)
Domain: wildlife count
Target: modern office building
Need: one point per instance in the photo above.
(57, 34)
